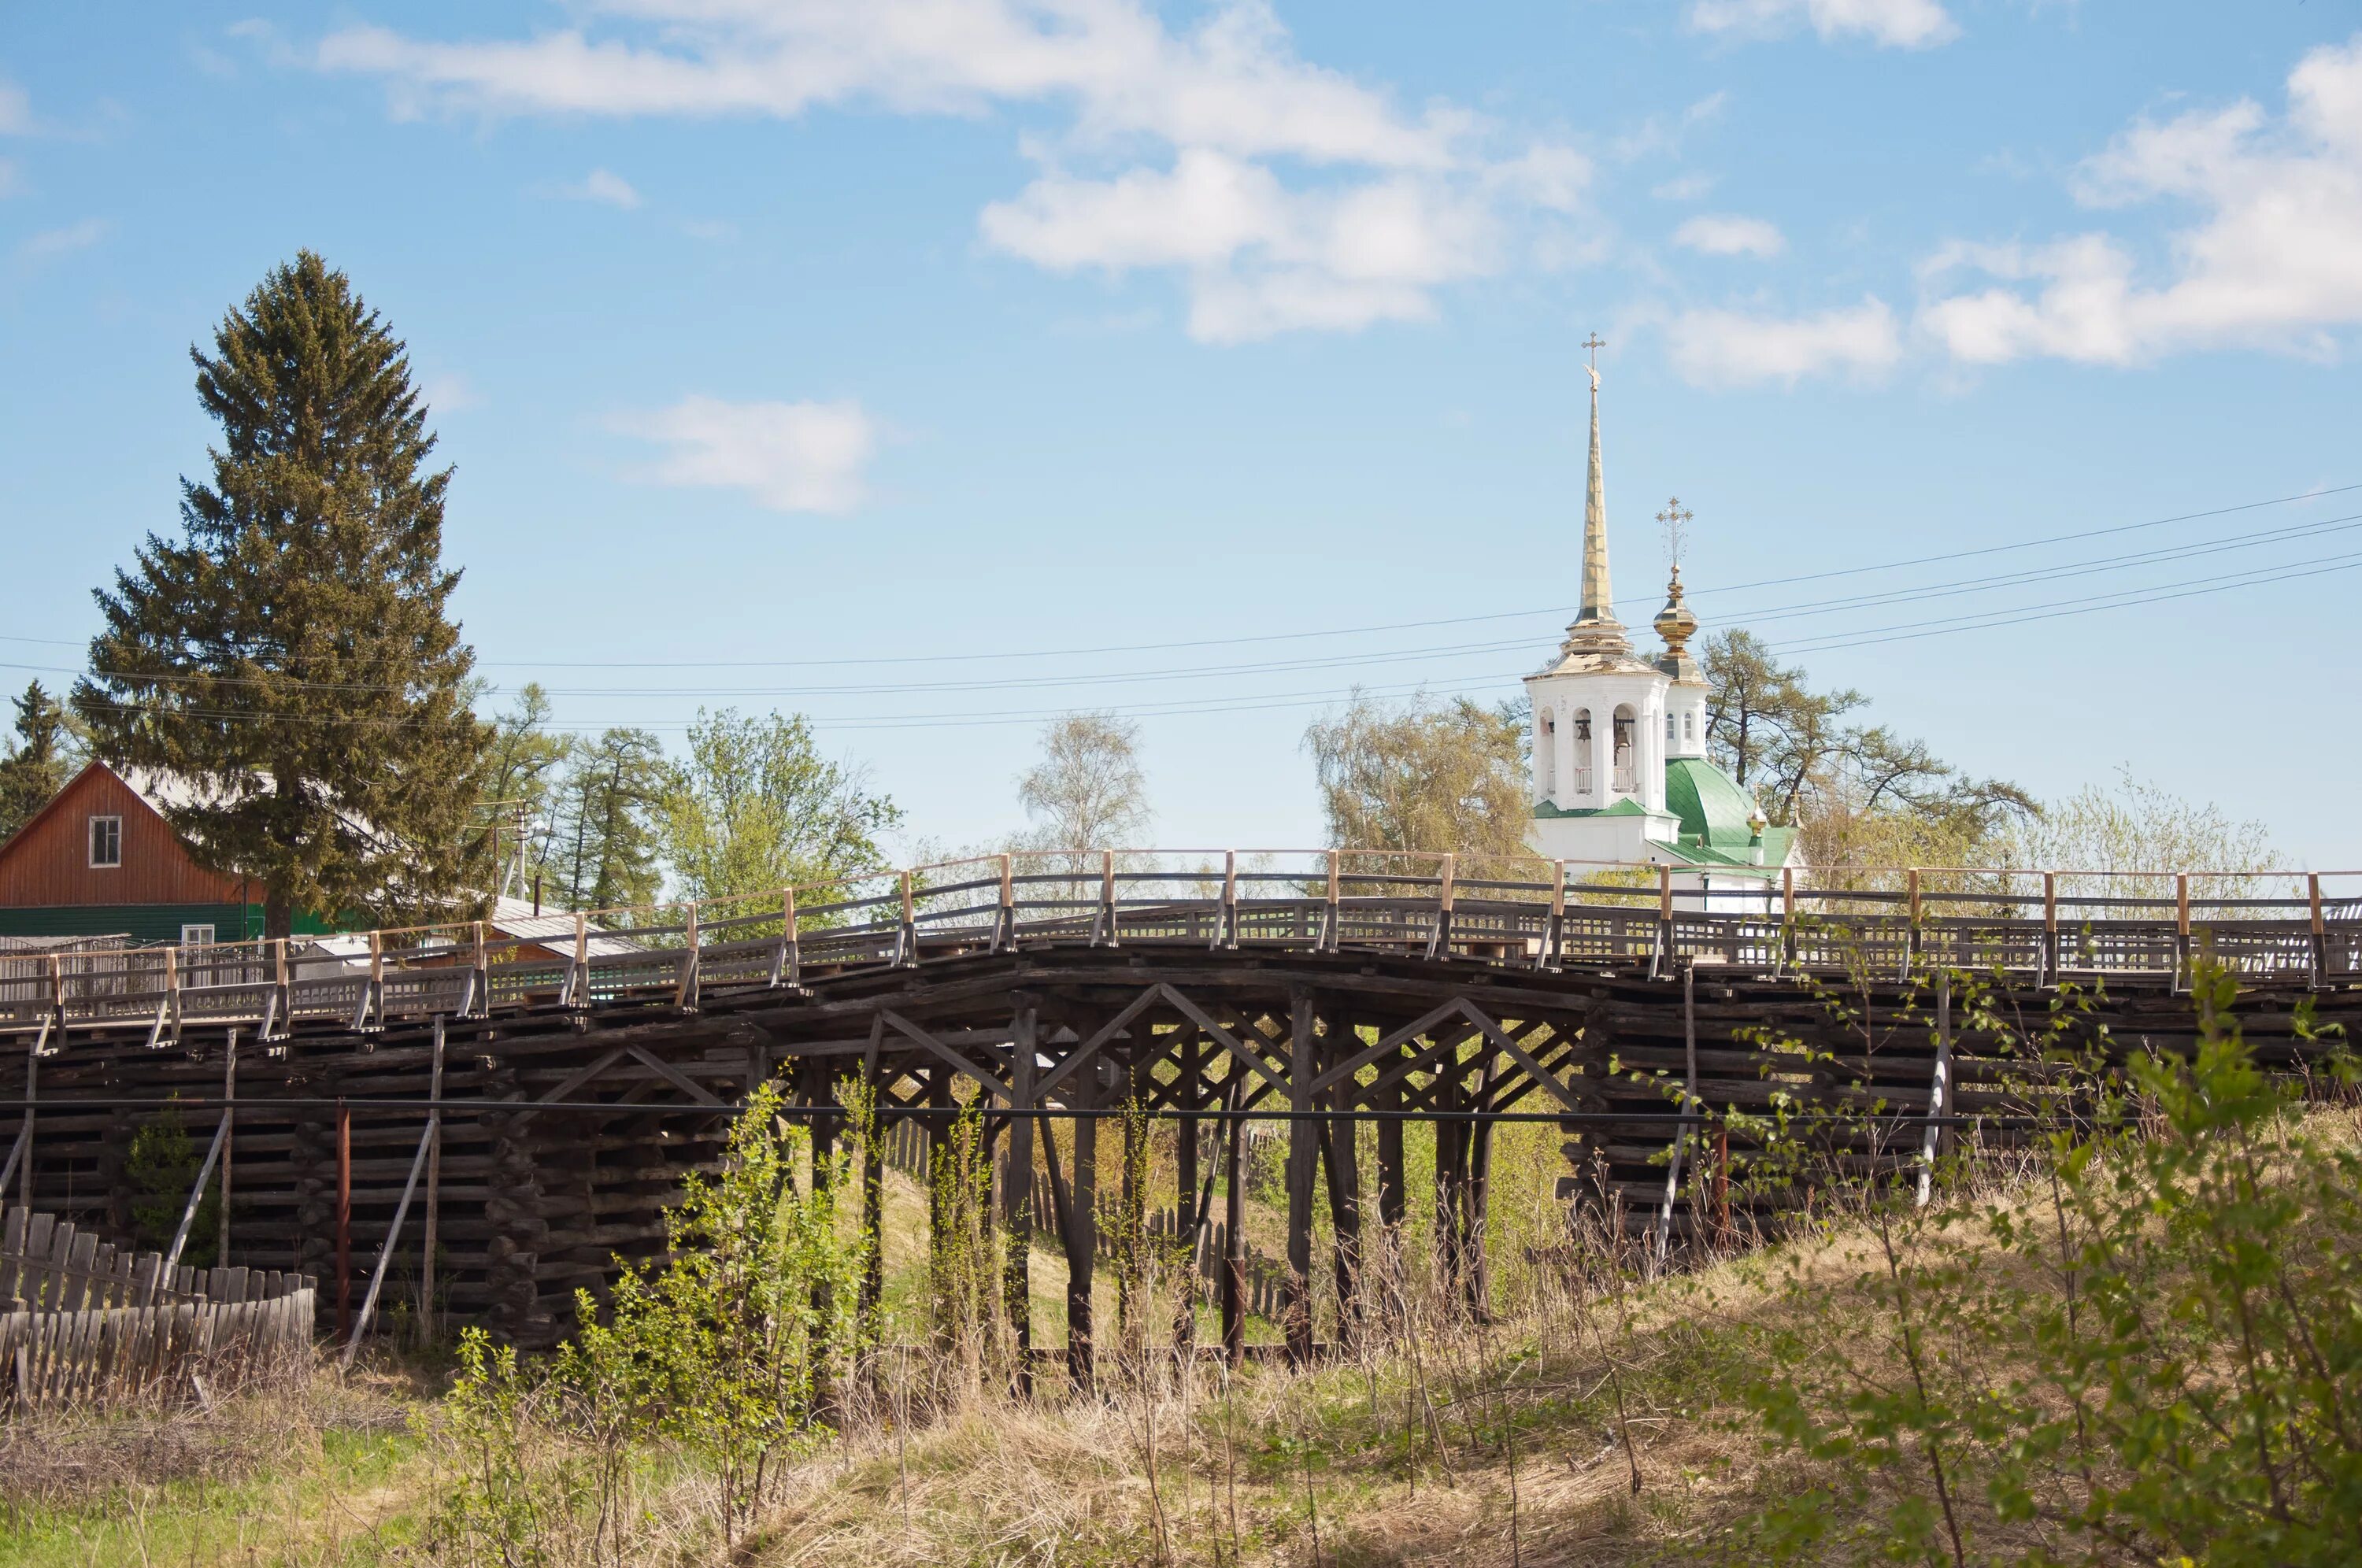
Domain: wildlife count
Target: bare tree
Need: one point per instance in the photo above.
(1087, 791)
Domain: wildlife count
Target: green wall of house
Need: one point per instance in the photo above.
(147, 922)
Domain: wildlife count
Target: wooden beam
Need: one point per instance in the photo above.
(1303, 1150)
(675, 1077)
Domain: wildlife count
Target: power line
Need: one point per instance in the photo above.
(1185, 707)
(1364, 630)
(2345, 523)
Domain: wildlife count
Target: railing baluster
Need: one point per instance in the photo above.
(906, 941)
(1329, 934)
(685, 988)
(1004, 925)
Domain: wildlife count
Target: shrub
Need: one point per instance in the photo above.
(2151, 1354)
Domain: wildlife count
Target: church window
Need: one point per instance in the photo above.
(1689, 726)
(1668, 726)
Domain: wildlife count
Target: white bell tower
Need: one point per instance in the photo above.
(1600, 730)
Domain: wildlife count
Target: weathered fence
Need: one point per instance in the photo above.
(88, 1323)
(2042, 926)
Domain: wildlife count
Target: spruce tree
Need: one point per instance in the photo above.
(605, 850)
(37, 767)
(290, 658)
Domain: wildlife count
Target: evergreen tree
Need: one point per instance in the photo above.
(604, 849)
(38, 767)
(291, 657)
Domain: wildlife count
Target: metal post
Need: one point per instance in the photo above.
(197, 1196)
(343, 1219)
(229, 1142)
(431, 1238)
(1689, 1106)
(32, 1085)
(392, 1237)
(1939, 1091)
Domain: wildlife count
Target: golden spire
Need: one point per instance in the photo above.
(1595, 628)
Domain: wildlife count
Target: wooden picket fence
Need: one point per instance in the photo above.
(83, 1321)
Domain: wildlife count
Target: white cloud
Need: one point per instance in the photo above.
(1721, 235)
(790, 456)
(10, 177)
(1260, 259)
(1892, 24)
(1727, 348)
(51, 244)
(1167, 161)
(1233, 84)
(15, 110)
(451, 392)
(1685, 187)
(2274, 261)
(602, 186)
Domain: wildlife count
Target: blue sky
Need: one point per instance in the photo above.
(818, 355)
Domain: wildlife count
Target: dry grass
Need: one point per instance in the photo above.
(297, 1473)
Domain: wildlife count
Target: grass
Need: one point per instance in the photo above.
(1586, 1426)
(294, 1477)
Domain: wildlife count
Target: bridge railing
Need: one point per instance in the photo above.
(1520, 912)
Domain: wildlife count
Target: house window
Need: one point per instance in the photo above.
(106, 841)
(197, 936)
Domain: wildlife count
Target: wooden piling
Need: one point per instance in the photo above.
(1303, 1151)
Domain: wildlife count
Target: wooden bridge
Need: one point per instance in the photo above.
(514, 1099)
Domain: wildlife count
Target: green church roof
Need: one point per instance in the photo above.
(1713, 808)
(1623, 808)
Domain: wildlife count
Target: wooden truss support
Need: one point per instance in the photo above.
(1081, 1236)
(1303, 1151)
(1017, 1186)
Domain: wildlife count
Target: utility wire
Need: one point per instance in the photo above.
(2345, 523)
(2053, 609)
(1364, 630)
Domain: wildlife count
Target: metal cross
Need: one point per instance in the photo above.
(1595, 343)
(1675, 523)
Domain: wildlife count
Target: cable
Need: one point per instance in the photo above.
(2054, 610)
(1359, 631)
(2345, 523)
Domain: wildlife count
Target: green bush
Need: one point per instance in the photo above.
(2151, 1352)
(725, 1354)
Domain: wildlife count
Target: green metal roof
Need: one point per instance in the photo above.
(1713, 808)
(1620, 808)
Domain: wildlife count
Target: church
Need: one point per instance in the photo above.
(1620, 772)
